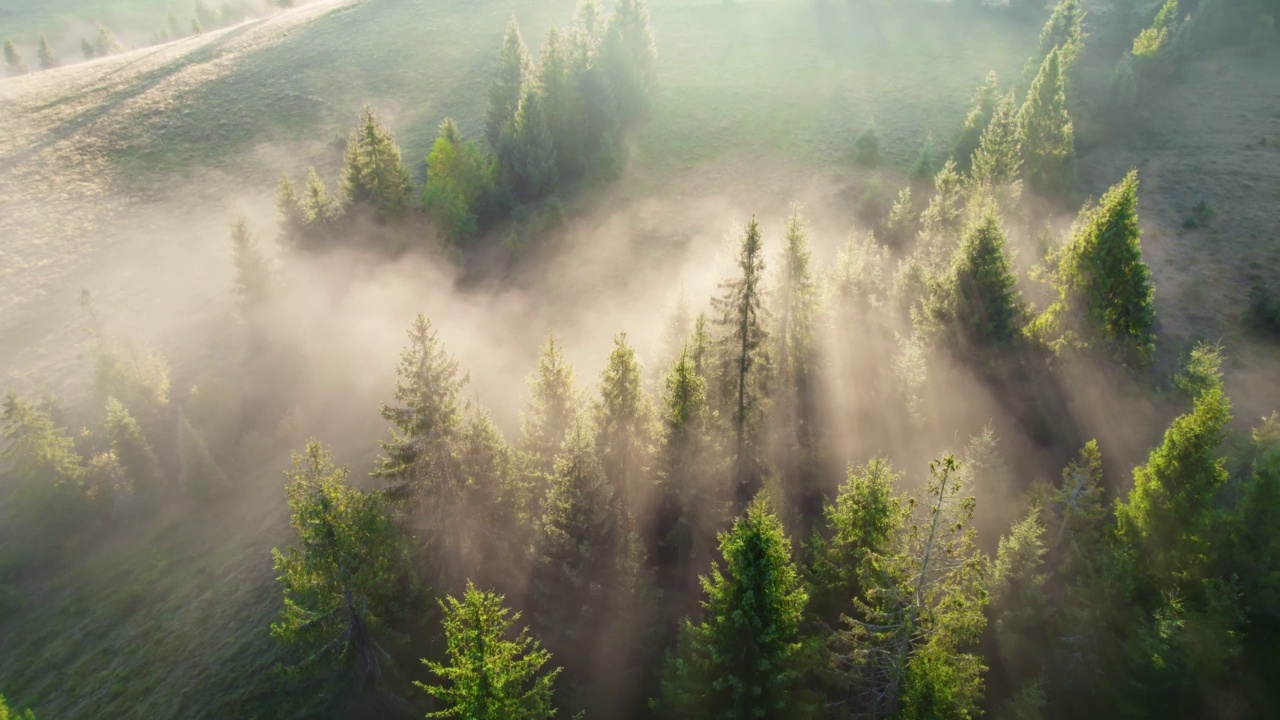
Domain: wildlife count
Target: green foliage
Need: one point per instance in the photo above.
(106, 43)
(902, 225)
(998, 158)
(372, 173)
(627, 57)
(488, 675)
(624, 429)
(133, 452)
(342, 577)
(1064, 33)
(527, 150)
(87, 49)
(861, 531)
(552, 408)
(1104, 287)
(253, 273)
(1168, 516)
(976, 306)
(1048, 135)
(1016, 583)
(13, 58)
(747, 657)
(985, 101)
(508, 89)
(460, 183)
(48, 59)
(741, 320)
(197, 28)
(925, 166)
(425, 420)
(200, 475)
(43, 480)
(866, 149)
(905, 652)
(1255, 547)
(6, 713)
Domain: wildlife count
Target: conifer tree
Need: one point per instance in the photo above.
(943, 218)
(976, 306)
(253, 274)
(998, 158)
(796, 300)
(6, 713)
(905, 651)
(1255, 546)
(924, 168)
(1064, 32)
(675, 334)
(107, 43)
(43, 476)
(372, 172)
(508, 89)
(528, 151)
(292, 220)
(747, 657)
(985, 101)
(197, 28)
(1104, 287)
(554, 81)
(133, 452)
(496, 504)
(200, 475)
(741, 320)
(624, 430)
(48, 59)
(552, 408)
(342, 578)
(318, 209)
(490, 675)
(627, 55)
(419, 458)
(13, 58)
(175, 27)
(1048, 135)
(87, 49)
(1016, 581)
(860, 532)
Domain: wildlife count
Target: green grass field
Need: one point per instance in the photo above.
(63, 21)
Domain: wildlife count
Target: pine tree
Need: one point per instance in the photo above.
(985, 101)
(976, 306)
(1169, 511)
(861, 530)
(624, 430)
(904, 653)
(48, 59)
(13, 58)
(342, 578)
(489, 675)
(372, 172)
(253, 274)
(508, 89)
(1255, 546)
(552, 408)
(197, 28)
(200, 475)
(496, 503)
(1048, 135)
(925, 166)
(796, 300)
(107, 43)
(44, 478)
(585, 576)
(1016, 581)
(1102, 282)
(748, 656)
(627, 56)
(319, 209)
(998, 158)
(133, 452)
(555, 84)
(291, 221)
(527, 149)
(1063, 32)
(741, 309)
(425, 421)
(943, 218)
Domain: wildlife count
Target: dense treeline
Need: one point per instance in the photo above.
(755, 534)
(550, 125)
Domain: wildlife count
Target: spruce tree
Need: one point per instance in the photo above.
(13, 58)
(627, 55)
(291, 222)
(796, 300)
(1048, 135)
(508, 89)
(372, 172)
(106, 43)
(527, 149)
(200, 475)
(318, 209)
(741, 320)
(1103, 284)
(342, 579)
(497, 504)
(624, 430)
(998, 158)
(976, 307)
(905, 652)
(1063, 32)
(925, 166)
(48, 59)
(985, 101)
(489, 675)
(87, 49)
(44, 477)
(552, 408)
(133, 452)
(556, 85)
(419, 458)
(253, 273)
(747, 657)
